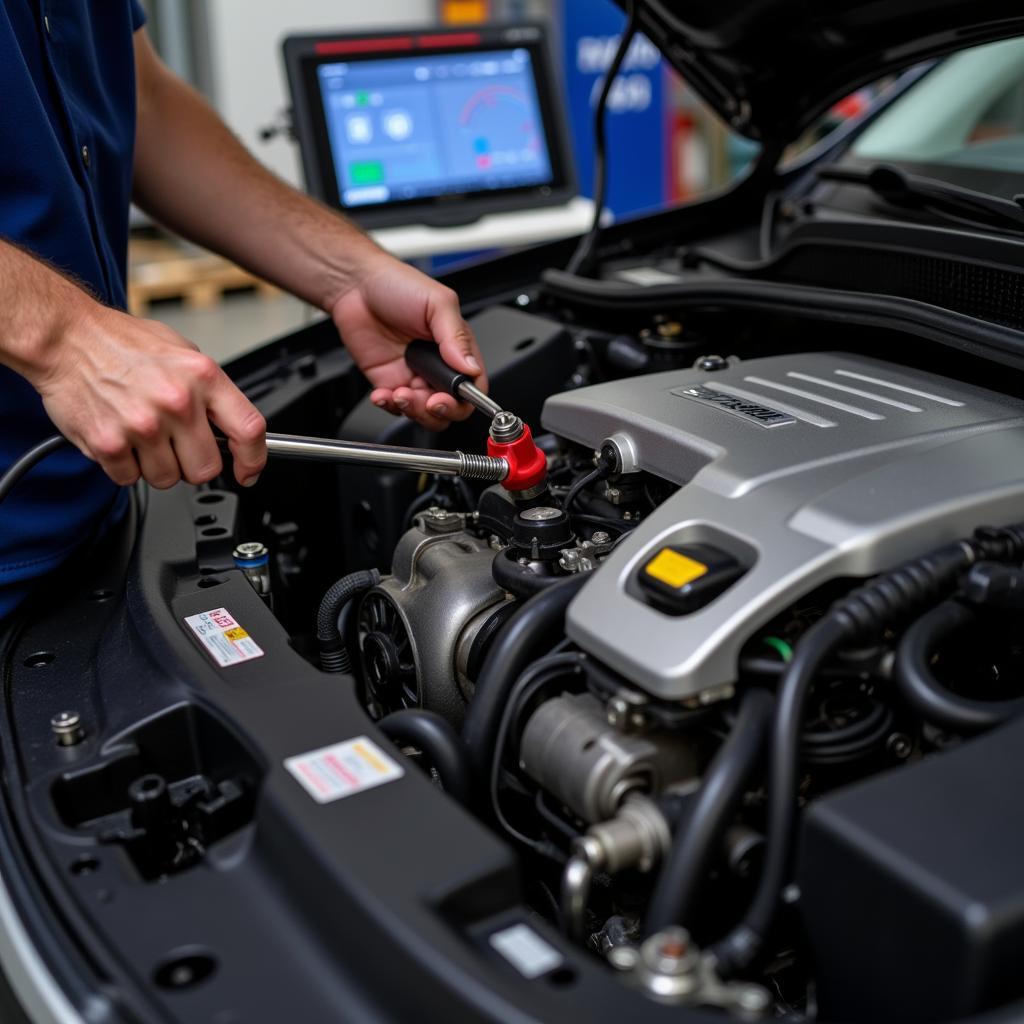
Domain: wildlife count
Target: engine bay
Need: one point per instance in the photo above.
(605, 668)
(718, 713)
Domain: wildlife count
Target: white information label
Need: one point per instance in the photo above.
(647, 277)
(343, 769)
(526, 951)
(224, 639)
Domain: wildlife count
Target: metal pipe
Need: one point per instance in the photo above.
(576, 881)
(417, 460)
(484, 403)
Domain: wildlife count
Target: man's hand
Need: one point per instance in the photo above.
(387, 306)
(137, 398)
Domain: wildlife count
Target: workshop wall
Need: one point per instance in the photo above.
(238, 60)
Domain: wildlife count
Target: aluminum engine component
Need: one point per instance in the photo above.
(569, 748)
(637, 837)
(417, 627)
(804, 467)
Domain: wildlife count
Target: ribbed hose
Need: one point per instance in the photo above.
(885, 601)
(699, 835)
(440, 743)
(532, 631)
(334, 656)
(917, 685)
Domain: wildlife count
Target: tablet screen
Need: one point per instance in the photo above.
(413, 127)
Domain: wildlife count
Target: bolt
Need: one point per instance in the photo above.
(570, 560)
(506, 427)
(67, 727)
(899, 746)
(600, 537)
(670, 952)
(522, 299)
(712, 363)
(618, 711)
(613, 494)
(182, 975)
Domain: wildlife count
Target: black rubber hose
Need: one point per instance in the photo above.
(440, 743)
(883, 602)
(31, 458)
(700, 833)
(744, 942)
(334, 656)
(519, 580)
(531, 632)
(917, 685)
(602, 470)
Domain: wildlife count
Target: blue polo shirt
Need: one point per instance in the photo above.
(67, 127)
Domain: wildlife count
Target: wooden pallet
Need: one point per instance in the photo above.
(159, 269)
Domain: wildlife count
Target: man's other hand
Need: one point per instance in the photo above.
(388, 305)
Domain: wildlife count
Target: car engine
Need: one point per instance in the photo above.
(704, 622)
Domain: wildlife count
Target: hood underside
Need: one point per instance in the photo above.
(769, 67)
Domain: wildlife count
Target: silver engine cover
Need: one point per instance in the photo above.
(813, 466)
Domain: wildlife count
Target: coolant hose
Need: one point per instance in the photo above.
(529, 633)
(519, 580)
(334, 656)
(889, 599)
(440, 743)
(700, 832)
(917, 685)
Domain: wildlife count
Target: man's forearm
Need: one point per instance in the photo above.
(194, 176)
(37, 304)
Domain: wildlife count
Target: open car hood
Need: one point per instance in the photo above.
(769, 67)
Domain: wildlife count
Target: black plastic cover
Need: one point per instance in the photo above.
(912, 887)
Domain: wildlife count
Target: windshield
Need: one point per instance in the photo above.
(963, 122)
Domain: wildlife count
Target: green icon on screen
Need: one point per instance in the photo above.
(362, 98)
(366, 172)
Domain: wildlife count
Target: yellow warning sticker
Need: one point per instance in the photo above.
(227, 642)
(673, 569)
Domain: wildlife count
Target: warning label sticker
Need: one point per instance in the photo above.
(224, 639)
(343, 769)
(526, 951)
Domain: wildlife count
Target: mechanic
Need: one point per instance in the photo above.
(91, 119)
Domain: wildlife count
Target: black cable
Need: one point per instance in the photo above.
(533, 630)
(28, 461)
(918, 686)
(699, 835)
(534, 679)
(440, 743)
(584, 254)
(602, 470)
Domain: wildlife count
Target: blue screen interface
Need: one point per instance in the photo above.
(413, 127)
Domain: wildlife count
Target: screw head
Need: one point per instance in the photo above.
(67, 727)
(712, 363)
(900, 746)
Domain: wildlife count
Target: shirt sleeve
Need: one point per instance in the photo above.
(138, 15)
